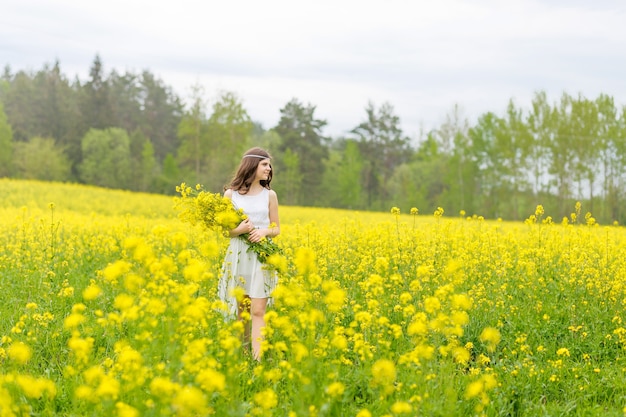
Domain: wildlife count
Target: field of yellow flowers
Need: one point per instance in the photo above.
(108, 308)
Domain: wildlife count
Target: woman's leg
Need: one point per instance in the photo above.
(257, 314)
(243, 315)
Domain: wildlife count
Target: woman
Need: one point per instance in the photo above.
(250, 191)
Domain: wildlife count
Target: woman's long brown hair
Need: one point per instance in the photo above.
(242, 180)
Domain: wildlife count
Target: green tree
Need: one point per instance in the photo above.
(41, 159)
(143, 163)
(125, 94)
(451, 165)
(517, 156)
(161, 112)
(490, 142)
(230, 130)
(6, 144)
(170, 176)
(19, 106)
(193, 136)
(301, 134)
(612, 157)
(57, 111)
(384, 147)
(97, 108)
(290, 184)
(342, 176)
(563, 159)
(106, 158)
(147, 166)
(541, 122)
(428, 173)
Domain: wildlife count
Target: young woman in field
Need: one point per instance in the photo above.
(250, 190)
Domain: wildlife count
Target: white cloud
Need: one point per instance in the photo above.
(421, 56)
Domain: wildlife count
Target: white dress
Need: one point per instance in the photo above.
(242, 268)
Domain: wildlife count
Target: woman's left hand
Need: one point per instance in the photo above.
(256, 235)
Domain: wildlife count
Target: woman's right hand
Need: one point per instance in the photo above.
(245, 226)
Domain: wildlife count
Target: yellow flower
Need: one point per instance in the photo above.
(123, 302)
(20, 353)
(91, 292)
(73, 320)
(339, 342)
(305, 261)
(461, 302)
(125, 410)
(36, 387)
(401, 407)
(383, 372)
(562, 352)
(432, 304)
(211, 380)
(189, 401)
(196, 271)
(266, 399)
(491, 337)
(459, 318)
(109, 388)
(335, 389)
(335, 299)
(300, 352)
(161, 387)
(474, 389)
(461, 355)
(381, 265)
(418, 326)
(278, 262)
(83, 392)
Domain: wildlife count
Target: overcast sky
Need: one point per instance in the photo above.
(423, 57)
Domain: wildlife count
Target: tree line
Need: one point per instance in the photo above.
(132, 131)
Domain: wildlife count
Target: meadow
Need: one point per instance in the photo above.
(109, 308)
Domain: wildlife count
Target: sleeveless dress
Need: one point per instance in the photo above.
(242, 268)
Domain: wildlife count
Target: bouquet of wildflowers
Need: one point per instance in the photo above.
(216, 212)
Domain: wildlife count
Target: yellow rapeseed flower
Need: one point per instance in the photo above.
(73, 320)
(491, 337)
(189, 401)
(36, 387)
(335, 389)
(161, 387)
(563, 352)
(383, 373)
(80, 347)
(211, 380)
(461, 355)
(304, 261)
(401, 407)
(125, 410)
(196, 271)
(432, 304)
(266, 399)
(92, 292)
(461, 302)
(108, 388)
(19, 352)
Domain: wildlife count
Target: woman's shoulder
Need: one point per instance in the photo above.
(272, 195)
(228, 193)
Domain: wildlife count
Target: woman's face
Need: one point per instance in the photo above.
(263, 170)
